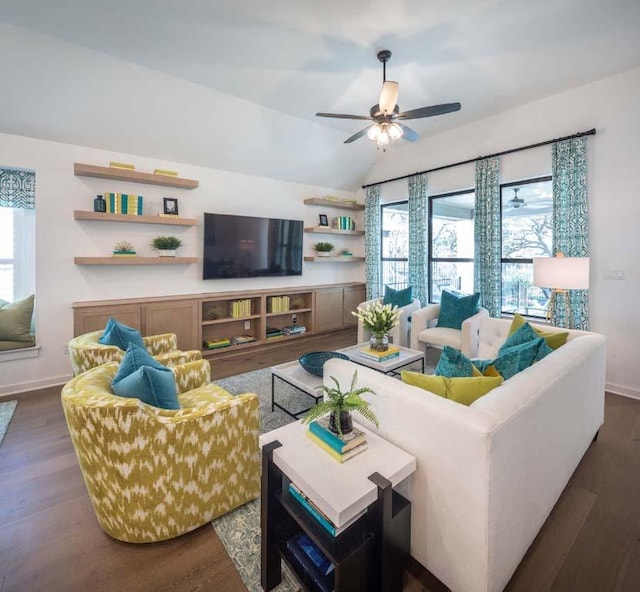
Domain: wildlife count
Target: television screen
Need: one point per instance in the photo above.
(245, 246)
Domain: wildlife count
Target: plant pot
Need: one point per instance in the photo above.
(379, 342)
(167, 252)
(346, 423)
(323, 253)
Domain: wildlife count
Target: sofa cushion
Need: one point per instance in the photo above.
(441, 336)
(120, 335)
(461, 390)
(140, 376)
(15, 320)
(455, 309)
(398, 298)
(554, 339)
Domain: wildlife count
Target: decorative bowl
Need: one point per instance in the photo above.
(314, 361)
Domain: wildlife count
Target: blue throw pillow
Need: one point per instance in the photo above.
(454, 309)
(529, 351)
(118, 334)
(144, 378)
(453, 364)
(506, 364)
(398, 298)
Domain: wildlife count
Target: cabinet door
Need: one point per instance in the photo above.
(86, 320)
(353, 295)
(328, 309)
(174, 316)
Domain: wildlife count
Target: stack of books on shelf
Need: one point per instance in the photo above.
(341, 447)
(217, 343)
(294, 330)
(343, 223)
(124, 203)
(122, 165)
(297, 494)
(241, 308)
(279, 304)
(274, 333)
(312, 561)
(380, 356)
(165, 172)
(242, 339)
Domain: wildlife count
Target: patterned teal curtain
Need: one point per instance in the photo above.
(487, 274)
(571, 222)
(418, 237)
(372, 246)
(17, 189)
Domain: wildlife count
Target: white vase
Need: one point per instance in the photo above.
(167, 252)
(323, 253)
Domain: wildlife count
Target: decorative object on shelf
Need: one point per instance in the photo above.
(323, 249)
(343, 223)
(122, 165)
(166, 245)
(212, 311)
(297, 302)
(124, 249)
(324, 220)
(99, 204)
(346, 253)
(340, 405)
(313, 362)
(170, 205)
(124, 203)
(379, 319)
(165, 172)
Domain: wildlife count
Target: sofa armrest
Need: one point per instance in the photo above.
(174, 358)
(471, 333)
(192, 375)
(419, 322)
(161, 344)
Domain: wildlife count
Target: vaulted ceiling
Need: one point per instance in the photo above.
(236, 85)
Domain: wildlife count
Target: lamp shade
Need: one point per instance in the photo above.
(561, 273)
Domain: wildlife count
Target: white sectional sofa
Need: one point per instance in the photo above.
(489, 474)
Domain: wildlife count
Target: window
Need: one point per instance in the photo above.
(395, 245)
(451, 242)
(527, 218)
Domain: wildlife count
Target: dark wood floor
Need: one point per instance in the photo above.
(50, 540)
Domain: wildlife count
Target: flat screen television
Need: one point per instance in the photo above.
(245, 246)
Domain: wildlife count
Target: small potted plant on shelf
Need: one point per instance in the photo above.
(323, 249)
(124, 249)
(166, 245)
(340, 405)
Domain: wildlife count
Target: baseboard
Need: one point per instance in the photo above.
(625, 391)
(33, 385)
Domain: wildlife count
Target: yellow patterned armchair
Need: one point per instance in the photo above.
(87, 353)
(154, 474)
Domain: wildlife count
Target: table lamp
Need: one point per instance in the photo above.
(561, 274)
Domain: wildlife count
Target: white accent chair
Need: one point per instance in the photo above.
(425, 333)
(399, 335)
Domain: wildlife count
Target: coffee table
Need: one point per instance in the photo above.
(296, 376)
(406, 358)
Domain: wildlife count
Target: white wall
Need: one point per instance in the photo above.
(611, 106)
(59, 238)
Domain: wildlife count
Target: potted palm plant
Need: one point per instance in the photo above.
(340, 405)
(323, 249)
(166, 245)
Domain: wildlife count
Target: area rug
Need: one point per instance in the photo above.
(239, 530)
(7, 409)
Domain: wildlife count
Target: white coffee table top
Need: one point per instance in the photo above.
(407, 356)
(295, 374)
(340, 490)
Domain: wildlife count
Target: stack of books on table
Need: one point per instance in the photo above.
(241, 339)
(341, 447)
(297, 494)
(217, 343)
(312, 561)
(294, 330)
(274, 333)
(380, 356)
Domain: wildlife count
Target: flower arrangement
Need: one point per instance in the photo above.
(378, 318)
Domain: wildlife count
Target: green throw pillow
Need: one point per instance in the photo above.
(554, 339)
(15, 320)
(455, 309)
(120, 335)
(140, 376)
(461, 390)
(398, 298)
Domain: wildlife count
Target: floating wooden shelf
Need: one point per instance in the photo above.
(327, 230)
(134, 260)
(288, 312)
(82, 215)
(90, 170)
(329, 203)
(334, 259)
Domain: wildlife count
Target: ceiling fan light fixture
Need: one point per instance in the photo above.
(383, 138)
(395, 131)
(374, 132)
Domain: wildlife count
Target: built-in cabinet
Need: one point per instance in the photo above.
(334, 305)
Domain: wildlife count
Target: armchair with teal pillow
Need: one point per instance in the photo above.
(400, 333)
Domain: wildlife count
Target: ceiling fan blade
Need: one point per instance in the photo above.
(429, 111)
(388, 96)
(408, 133)
(344, 116)
(358, 135)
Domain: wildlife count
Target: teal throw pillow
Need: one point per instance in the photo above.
(455, 309)
(529, 351)
(453, 364)
(521, 335)
(506, 364)
(118, 334)
(140, 376)
(398, 298)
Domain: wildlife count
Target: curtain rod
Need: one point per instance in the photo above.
(591, 132)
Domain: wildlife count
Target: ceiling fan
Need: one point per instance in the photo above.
(386, 115)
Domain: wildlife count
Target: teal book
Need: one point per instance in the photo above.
(340, 444)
